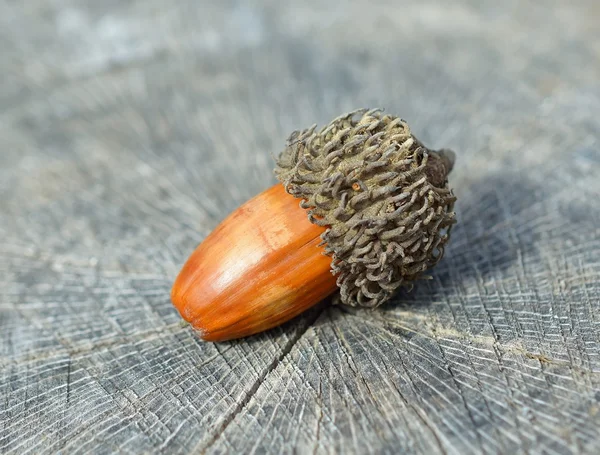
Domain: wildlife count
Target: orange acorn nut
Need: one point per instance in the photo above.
(259, 268)
(362, 209)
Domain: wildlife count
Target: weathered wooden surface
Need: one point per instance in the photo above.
(128, 129)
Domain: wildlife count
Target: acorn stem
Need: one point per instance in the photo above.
(448, 157)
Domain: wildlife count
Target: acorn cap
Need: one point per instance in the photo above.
(382, 196)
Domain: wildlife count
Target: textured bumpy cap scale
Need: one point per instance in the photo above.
(381, 195)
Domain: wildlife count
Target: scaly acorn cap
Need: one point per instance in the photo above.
(382, 196)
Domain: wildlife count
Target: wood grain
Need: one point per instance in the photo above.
(130, 129)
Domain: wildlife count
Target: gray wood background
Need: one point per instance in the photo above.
(129, 129)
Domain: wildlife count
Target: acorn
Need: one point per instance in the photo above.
(362, 208)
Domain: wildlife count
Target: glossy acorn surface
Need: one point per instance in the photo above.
(259, 268)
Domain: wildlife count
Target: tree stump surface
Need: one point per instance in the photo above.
(130, 129)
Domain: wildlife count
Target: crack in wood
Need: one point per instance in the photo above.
(243, 402)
